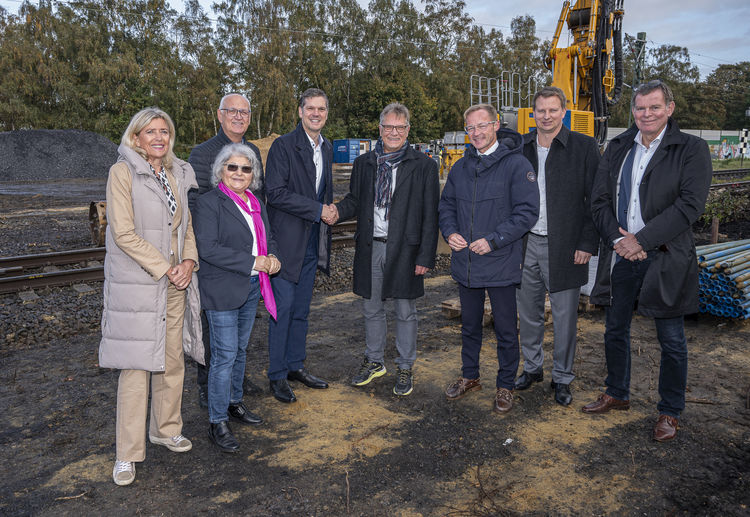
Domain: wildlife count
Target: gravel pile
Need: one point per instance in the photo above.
(47, 154)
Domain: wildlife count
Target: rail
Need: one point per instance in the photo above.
(732, 184)
(13, 280)
(729, 174)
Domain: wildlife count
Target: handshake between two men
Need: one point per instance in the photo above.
(330, 214)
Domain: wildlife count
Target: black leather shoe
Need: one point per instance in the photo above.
(202, 396)
(526, 379)
(282, 391)
(240, 413)
(307, 379)
(562, 393)
(250, 388)
(222, 436)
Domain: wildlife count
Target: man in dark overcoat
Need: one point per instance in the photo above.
(299, 188)
(393, 193)
(650, 188)
(560, 244)
(234, 119)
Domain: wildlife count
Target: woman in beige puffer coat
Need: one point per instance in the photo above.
(150, 290)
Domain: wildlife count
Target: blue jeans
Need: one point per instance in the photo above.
(627, 279)
(287, 335)
(230, 334)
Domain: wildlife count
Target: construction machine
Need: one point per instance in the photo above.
(590, 70)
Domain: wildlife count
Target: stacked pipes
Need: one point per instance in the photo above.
(724, 279)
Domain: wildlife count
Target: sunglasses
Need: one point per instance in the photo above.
(232, 167)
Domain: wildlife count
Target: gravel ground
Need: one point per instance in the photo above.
(347, 451)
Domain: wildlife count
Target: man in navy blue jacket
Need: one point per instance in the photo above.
(234, 119)
(299, 187)
(489, 202)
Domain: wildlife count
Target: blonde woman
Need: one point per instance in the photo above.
(149, 291)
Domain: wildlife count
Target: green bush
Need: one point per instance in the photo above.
(725, 204)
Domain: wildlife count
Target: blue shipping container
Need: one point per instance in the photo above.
(345, 151)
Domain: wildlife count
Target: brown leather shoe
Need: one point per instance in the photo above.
(503, 400)
(461, 387)
(604, 403)
(666, 428)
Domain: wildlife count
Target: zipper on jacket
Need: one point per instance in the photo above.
(471, 225)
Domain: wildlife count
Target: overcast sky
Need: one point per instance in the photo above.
(714, 33)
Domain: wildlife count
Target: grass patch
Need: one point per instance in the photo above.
(731, 163)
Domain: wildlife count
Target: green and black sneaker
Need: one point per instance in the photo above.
(404, 384)
(367, 372)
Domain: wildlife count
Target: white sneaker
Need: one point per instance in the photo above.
(123, 473)
(175, 444)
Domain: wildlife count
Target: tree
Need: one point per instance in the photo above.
(730, 84)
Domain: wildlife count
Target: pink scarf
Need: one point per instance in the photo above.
(260, 232)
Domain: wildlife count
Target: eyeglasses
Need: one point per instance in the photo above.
(398, 129)
(232, 112)
(232, 167)
(479, 127)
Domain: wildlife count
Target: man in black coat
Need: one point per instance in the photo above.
(234, 119)
(560, 244)
(393, 192)
(650, 188)
(299, 187)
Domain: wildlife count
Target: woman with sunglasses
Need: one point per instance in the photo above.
(236, 251)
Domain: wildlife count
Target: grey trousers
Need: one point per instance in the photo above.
(376, 329)
(564, 305)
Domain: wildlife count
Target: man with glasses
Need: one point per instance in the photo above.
(489, 203)
(234, 119)
(560, 244)
(299, 186)
(651, 186)
(393, 193)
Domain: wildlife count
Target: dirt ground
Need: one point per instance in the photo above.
(362, 451)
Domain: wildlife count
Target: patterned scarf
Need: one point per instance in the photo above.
(260, 232)
(164, 182)
(386, 163)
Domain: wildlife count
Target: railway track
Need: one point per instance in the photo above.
(15, 275)
(730, 174)
(732, 184)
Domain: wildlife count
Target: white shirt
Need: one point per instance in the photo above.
(492, 149)
(540, 228)
(249, 221)
(317, 159)
(641, 160)
(381, 223)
